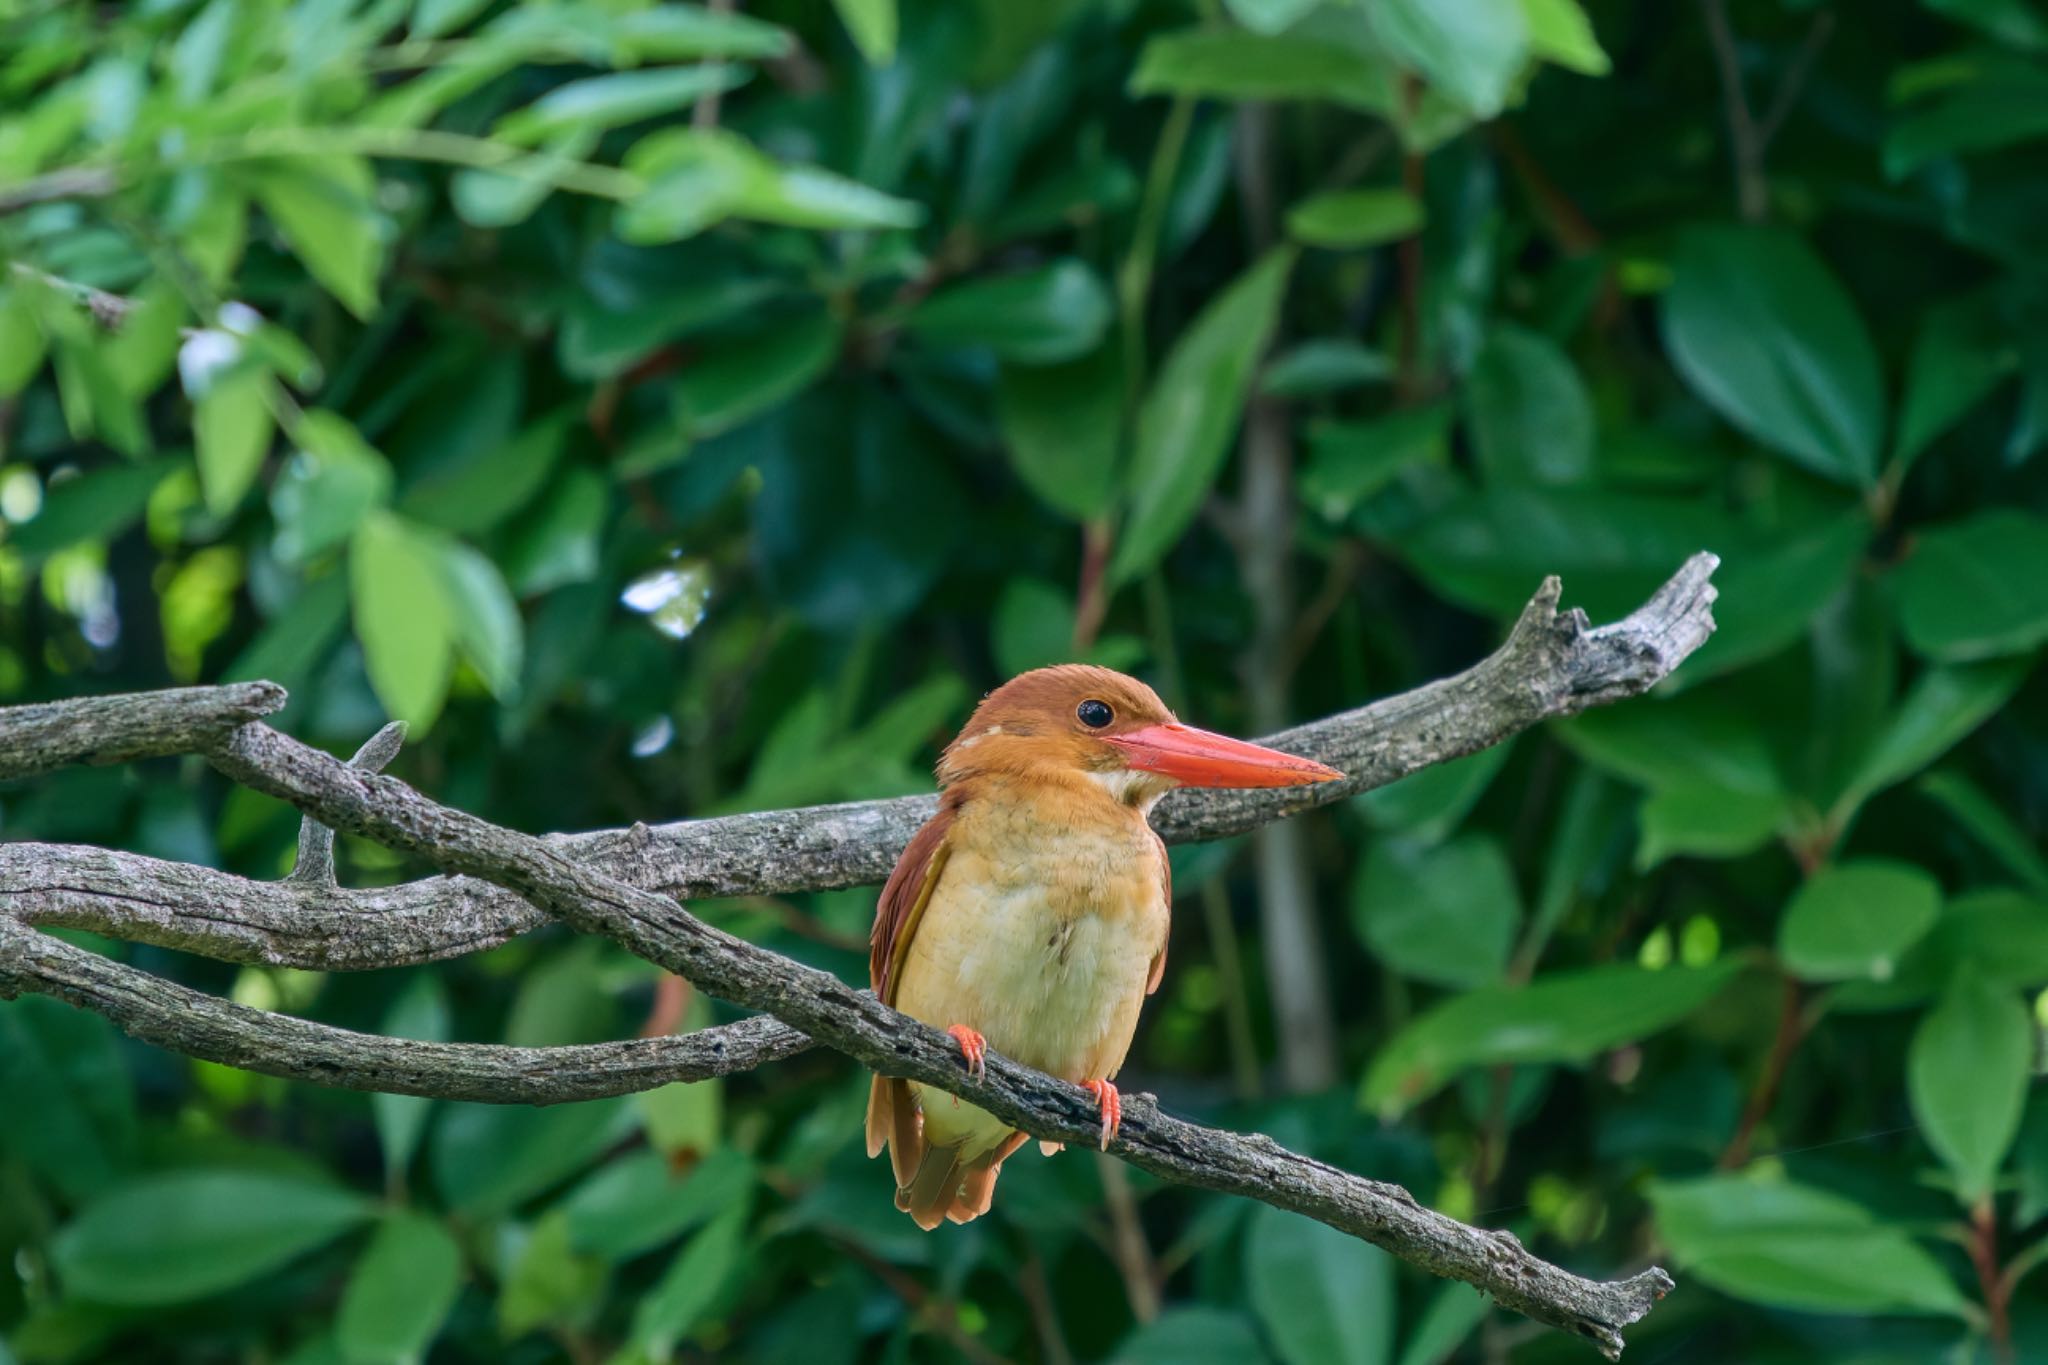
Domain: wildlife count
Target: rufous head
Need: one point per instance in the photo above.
(1079, 719)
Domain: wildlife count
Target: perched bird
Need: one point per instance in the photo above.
(1030, 914)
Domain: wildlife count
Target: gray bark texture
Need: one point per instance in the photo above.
(623, 884)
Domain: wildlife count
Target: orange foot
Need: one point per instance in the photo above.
(974, 1048)
(1112, 1106)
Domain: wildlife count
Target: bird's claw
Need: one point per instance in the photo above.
(974, 1048)
(1112, 1106)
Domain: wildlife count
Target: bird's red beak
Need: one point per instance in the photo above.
(1197, 758)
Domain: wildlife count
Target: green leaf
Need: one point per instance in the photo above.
(1192, 1336)
(679, 33)
(420, 1011)
(1218, 63)
(1771, 592)
(1999, 102)
(548, 1284)
(1565, 1016)
(95, 506)
(1349, 219)
(1998, 936)
(1322, 1295)
(693, 1283)
(1062, 425)
(1792, 1246)
(507, 194)
(1976, 589)
(479, 493)
(1446, 915)
(328, 486)
(745, 378)
(1960, 355)
(402, 616)
(1491, 549)
(1350, 461)
(1319, 367)
(1947, 703)
(1269, 16)
(1560, 32)
(399, 1293)
(614, 100)
(1188, 419)
(488, 1159)
(21, 342)
(698, 176)
(232, 425)
(872, 26)
(185, 1235)
(1471, 51)
(1426, 806)
(1857, 920)
(1765, 334)
(1699, 819)
(639, 1202)
(488, 627)
(1452, 1315)
(432, 18)
(1990, 825)
(2013, 23)
(325, 207)
(70, 1115)
(1532, 420)
(1677, 742)
(1967, 1073)
(1048, 315)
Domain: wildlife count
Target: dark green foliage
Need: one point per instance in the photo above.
(669, 410)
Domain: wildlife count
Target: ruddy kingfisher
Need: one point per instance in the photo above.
(1030, 914)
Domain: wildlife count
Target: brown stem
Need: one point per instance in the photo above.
(1745, 146)
(1791, 1029)
(1996, 1290)
(1091, 596)
(1127, 1244)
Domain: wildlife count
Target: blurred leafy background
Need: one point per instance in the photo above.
(671, 410)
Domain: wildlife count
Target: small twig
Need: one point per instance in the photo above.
(941, 1314)
(1794, 80)
(1045, 1313)
(1127, 1245)
(1764, 1096)
(78, 182)
(705, 115)
(315, 862)
(1746, 149)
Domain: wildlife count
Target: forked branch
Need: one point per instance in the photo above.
(622, 884)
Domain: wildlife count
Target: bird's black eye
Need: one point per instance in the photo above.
(1095, 714)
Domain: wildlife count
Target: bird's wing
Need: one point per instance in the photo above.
(904, 897)
(1165, 890)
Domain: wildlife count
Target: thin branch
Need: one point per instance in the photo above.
(1793, 82)
(1551, 665)
(122, 728)
(78, 182)
(1745, 148)
(315, 863)
(856, 1024)
(164, 1014)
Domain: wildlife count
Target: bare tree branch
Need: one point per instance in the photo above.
(857, 1024)
(315, 862)
(617, 883)
(179, 1019)
(1551, 665)
(120, 729)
